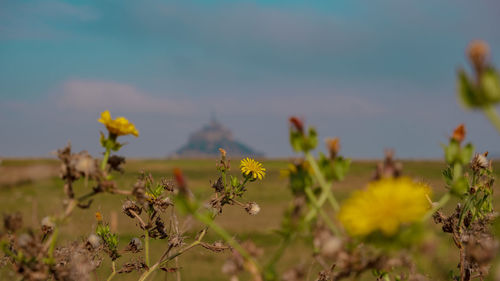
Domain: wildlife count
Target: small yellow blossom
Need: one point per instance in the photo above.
(119, 126)
(249, 165)
(384, 206)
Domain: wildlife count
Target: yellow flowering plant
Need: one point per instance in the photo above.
(120, 126)
(252, 169)
(384, 206)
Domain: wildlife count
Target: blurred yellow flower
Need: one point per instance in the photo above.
(384, 206)
(249, 165)
(119, 126)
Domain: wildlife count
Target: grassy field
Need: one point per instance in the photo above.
(38, 198)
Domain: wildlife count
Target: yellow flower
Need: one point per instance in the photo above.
(384, 206)
(249, 165)
(119, 126)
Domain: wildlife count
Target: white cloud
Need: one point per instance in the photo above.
(89, 95)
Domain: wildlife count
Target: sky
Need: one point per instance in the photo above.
(377, 74)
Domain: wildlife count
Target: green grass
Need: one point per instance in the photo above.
(38, 199)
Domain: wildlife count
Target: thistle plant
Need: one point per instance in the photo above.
(481, 89)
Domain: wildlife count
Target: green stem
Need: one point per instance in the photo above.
(146, 246)
(52, 246)
(326, 193)
(492, 114)
(279, 252)
(318, 208)
(444, 199)
(113, 273)
(105, 159)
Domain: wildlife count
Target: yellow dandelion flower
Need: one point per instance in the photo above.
(250, 166)
(385, 205)
(119, 126)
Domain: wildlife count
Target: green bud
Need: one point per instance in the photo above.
(451, 152)
(234, 181)
(466, 153)
(490, 85)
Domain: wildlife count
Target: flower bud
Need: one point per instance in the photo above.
(297, 124)
(459, 133)
(478, 53)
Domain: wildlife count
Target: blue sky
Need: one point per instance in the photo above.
(377, 73)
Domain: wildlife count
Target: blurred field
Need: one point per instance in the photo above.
(38, 195)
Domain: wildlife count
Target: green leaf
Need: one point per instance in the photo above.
(466, 153)
(451, 152)
(296, 140)
(467, 92)
(490, 85)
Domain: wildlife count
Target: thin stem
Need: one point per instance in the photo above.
(493, 116)
(113, 273)
(279, 252)
(318, 208)
(146, 246)
(163, 259)
(225, 235)
(326, 193)
(444, 199)
(88, 195)
(143, 224)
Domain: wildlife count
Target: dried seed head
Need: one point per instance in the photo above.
(115, 163)
(478, 53)
(459, 133)
(134, 246)
(296, 273)
(333, 146)
(389, 168)
(24, 240)
(175, 240)
(13, 222)
(332, 247)
(139, 190)
(48, 225)
(94, 241)
(137, 265)
(480, 162)
(161, 204)
(130, 206)
(218, 185)
(252, 208)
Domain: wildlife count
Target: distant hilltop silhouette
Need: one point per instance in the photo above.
(205, 143)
